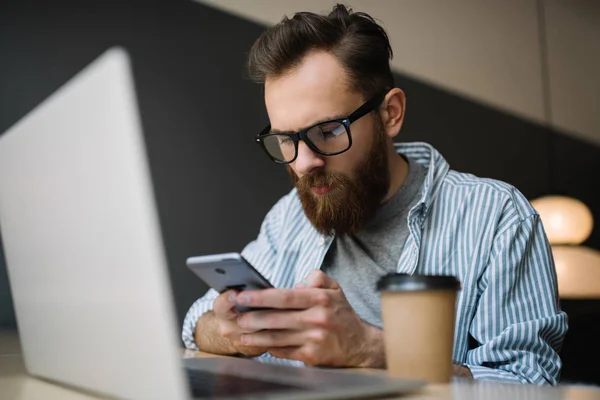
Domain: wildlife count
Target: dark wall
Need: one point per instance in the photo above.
(212, 183)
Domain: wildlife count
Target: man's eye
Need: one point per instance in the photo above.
(329, 131)
(285, 140)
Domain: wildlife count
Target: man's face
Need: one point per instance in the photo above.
(339, 193)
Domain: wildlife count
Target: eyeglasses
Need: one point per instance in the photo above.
(327, 138)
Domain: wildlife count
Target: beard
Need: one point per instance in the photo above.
(352, 200)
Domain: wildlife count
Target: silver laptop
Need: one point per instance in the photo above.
(86, 262)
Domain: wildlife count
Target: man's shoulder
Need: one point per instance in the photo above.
(485, 193)
(467, 180)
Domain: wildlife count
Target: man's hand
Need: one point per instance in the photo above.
(218, 332)
(313, 323)
(461, 371)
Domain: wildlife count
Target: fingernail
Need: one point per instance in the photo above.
(244, 339)
(300, 285)
(232, 297)
(244, 299)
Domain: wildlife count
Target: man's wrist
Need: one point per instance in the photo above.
(373, 349)
(461, 371)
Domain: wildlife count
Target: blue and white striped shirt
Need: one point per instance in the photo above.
(482, 231)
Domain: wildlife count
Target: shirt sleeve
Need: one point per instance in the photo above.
(261, 253)
(518, 321)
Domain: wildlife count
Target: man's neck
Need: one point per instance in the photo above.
(398, 172)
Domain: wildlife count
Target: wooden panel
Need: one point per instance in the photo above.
(485, 50)
(573, 39)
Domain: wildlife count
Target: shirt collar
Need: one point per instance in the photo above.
(426, 155)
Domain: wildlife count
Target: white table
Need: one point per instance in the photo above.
(15, 384)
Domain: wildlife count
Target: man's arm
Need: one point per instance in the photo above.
(218, 332)
(518, 321)
(208, 336)
(190, 322)
(461, 371)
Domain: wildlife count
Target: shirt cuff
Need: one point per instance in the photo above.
(492, 374)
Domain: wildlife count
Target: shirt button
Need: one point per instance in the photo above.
(321, 241)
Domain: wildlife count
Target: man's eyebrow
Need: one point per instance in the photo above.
(325, 119)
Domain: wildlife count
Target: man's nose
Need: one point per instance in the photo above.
(307, 160)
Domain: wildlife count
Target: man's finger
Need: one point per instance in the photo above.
(224, 303)
(318, 279)
(290, 299)
(253, 321)
(306, 353)
(274, 338)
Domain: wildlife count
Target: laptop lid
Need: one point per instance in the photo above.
(82, 241)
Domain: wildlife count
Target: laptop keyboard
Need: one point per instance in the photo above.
(205, 384)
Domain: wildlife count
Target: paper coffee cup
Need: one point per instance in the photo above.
(418, 313)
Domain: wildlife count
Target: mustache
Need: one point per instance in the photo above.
(322, 178)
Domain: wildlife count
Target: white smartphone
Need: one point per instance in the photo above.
(227, 271)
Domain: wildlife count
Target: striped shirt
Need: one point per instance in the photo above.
(482, 231)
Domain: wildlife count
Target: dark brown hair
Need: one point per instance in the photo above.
(360, 45)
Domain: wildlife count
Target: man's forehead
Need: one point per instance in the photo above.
(312, 92)
(303, 111)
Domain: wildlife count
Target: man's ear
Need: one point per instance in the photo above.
(392, 111)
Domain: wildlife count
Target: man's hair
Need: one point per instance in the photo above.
(356, 40)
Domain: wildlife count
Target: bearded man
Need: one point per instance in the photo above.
(363, 207)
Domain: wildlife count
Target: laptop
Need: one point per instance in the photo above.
(87, 266)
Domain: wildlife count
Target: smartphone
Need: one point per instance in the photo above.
(227, 271)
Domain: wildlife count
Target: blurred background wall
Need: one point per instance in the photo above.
(534, 58)
(504, 89)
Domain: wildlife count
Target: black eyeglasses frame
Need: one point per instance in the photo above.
(360, 112)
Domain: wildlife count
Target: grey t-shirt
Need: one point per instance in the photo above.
(357, 262)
